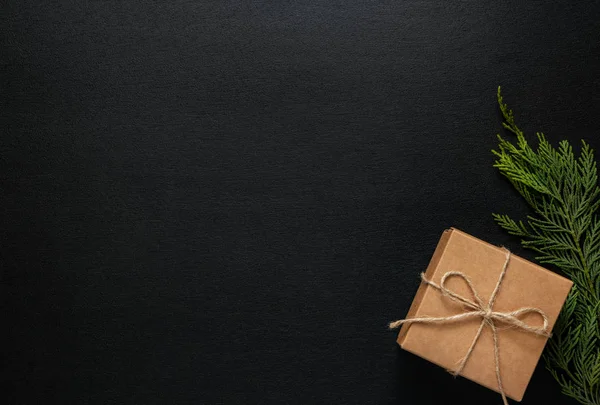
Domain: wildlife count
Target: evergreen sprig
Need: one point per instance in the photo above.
(564, 231)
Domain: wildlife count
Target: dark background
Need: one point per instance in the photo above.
(221, 202)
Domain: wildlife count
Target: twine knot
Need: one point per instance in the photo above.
(476, 308)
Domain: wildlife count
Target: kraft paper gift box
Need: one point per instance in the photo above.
(524, 284)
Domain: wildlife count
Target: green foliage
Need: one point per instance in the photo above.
(564, 231)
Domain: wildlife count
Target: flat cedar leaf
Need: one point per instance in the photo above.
(562, 189)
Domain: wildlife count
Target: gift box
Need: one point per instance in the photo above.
(483, 313)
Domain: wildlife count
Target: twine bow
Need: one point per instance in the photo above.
(478, 309)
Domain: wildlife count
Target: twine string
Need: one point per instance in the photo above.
(476, 308)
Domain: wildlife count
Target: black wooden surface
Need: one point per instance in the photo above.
(223, 202)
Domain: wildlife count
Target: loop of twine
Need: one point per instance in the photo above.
(476, 308)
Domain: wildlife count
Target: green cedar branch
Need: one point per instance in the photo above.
(564, 231)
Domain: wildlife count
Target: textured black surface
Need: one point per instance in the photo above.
(226, 202)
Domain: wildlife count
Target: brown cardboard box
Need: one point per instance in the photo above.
(524, 285)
